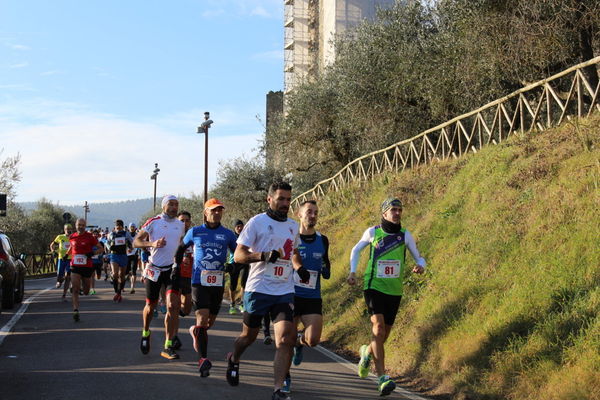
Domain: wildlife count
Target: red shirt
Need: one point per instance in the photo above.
(185, 269)
(81, 246)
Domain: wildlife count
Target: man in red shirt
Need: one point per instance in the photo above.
(83, 247)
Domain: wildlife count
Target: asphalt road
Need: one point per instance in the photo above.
(49, 356)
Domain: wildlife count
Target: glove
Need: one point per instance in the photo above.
(303, 274)
(228, 268)
(65, 257)
(270, 256)
(90, 254)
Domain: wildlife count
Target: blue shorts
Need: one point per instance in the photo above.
(63, 266)
(257, 305)
(145, 256)
(120, 259)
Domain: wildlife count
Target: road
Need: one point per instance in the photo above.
(49, 356)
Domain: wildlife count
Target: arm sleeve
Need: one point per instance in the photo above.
(364, 241)
(412, 248)
(326, 270)
(187, 242)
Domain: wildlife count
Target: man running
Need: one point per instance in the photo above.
(119, 240)
(383, 283)
(185, 277)
(163, 234)
(61, 246)
(211, 242)
(238, 270)
(83, 247)
(308, 305)
(269, 243)
(132, 259)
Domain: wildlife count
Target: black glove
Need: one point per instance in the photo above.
(270, 256)
(303, 274)
(65, 257)
(228, 268)
(90, 254)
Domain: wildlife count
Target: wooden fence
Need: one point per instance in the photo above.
(40, 264)
(535, 107)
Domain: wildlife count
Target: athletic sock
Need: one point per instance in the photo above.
(203, 339)
(168, 343)
(145, 333)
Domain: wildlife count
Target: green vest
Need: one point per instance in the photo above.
(385, 270)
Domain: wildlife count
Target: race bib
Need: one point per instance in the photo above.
(278, 271)
(152, 273)
(119, 241)
(312, 282)
(79, 259)
(211, 278)
(388, 268)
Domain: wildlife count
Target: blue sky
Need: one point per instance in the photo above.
(93, 93)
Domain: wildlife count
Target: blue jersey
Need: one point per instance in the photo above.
(313, 260)
(210, 248)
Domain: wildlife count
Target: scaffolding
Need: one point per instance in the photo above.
(299, 41)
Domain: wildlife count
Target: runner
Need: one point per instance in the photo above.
(61, 246)
(185, 277)
(132, 259)
(235, 303)
(119, 240)
(163, 234)
(383, 283)
(308, 305)
(105, 258)
(83, 247)
(211, 241)
(269, 243)
(97, 261)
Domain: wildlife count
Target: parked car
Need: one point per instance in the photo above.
(12, 274)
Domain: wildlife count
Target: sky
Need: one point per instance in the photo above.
(93, 93)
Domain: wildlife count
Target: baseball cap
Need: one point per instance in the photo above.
(238, 222)
(213, 203)
(389, 203)
(132, 225)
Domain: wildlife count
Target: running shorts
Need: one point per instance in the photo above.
(167, 278)
(305, 306)
(85, 272)
(64, 266)
(238, 269)
(381, 303)
(145, 256)
(120, 259)
(97, 264)
(185, 285)
(256, 305)
(132, 265)
(207, 297)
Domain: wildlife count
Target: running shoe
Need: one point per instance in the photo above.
(297, 358)
(267, 340)
(64, 297)
(233, 371)
(169, 353)
(92, 291)
(132, 291)
(182, 314)
(365, 361)
(119, 298)
(287, 384)
(279, 395)
(232, 309)
(176, 343)
(145, 345)
(116, 297)
(58, 284)
(194, 334)
(241, 308)
(386, 385)
(76, 316)
(204, 366)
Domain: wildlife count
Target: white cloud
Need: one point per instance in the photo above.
(51, 72)
(71, 154)
(259, 11)
(18, 47)
(19, 65)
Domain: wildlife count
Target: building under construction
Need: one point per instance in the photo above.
(310, 28)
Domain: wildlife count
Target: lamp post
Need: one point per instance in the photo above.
(154, 177)
(203, 128)
(86, 210)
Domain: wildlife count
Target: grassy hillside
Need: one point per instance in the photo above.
(508, 308)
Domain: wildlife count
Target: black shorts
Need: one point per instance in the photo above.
(238, 269)
(168, 278)
(381, 303)
(98, 267)
(85, 272)
(185, 285)
(305, 306)
(207, 297)
(132, 264)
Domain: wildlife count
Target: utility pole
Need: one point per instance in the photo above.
(86, 210)
(203, 128)
(154, 177)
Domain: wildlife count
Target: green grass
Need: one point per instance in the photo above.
(508, 308)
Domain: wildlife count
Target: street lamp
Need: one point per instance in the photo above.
(153, 177)
(86, 210)
(203, 128)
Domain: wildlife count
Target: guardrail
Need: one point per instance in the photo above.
(535, 107)
(40, 264)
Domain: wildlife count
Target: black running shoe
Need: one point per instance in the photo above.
(279, 395)
(176, 343)
(233, 371)
(76, 316)
(169, 353)
(145, 345)
(204, 366)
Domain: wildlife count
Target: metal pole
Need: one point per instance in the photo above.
(205, 165)
(85, 211)
(155, 179)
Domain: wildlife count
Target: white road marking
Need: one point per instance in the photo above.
(5, 331)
